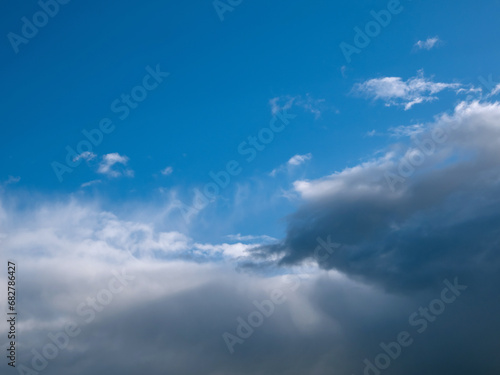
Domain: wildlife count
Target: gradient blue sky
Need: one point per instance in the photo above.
(222, 77)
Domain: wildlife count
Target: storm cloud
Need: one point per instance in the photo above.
(425, 208)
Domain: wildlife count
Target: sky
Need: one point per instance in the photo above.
(236, 187)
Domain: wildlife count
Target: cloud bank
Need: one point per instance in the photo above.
(149, 300)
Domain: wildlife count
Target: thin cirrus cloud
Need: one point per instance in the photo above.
(90, 183)
(11, 180)
(307, 103)
(167, 171)
(495, 90)
(110, 166)
(86, 155)
(406, 130)
(427, 44)
(293, 162)
(251, 238)
(394, 91)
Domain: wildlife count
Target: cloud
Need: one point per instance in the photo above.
(440, 220)
(86, 155)
(236, 250)
(343, 70)
(168, 311)
(427, 44)
(309, 104)
(184, 294)
(11, 180)
(90, 183)
(239, 237)
(293, 162)
(110, 160)
(167, 171)
(395, 91)
(279, 104)
(495, 90)
(299, 159)
(406, 130)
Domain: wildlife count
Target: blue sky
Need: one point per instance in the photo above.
(389, 151)
(222, 78)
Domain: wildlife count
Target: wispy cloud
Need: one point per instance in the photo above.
(10, 181)
(299, 159)
(294, 161)
(307, 103)
(406, 130)
(427, 44)
(343, 70)
(495, 91)
(167, 171)
(86, 155)
(90, 183)
(395, 91)
(250, 238)
(109, 161)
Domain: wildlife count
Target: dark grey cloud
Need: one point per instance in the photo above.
(441, 219)
(328, 325)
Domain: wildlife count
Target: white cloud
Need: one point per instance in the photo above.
(86, 155)
(236, 250)
(395, 91)
(299, 159)
(473, 129)
(427, 44)
(167, 171)
(11, 180)
(294, 161)
(406, 130)
(276, 105)
(343, 70)
(101, 236)
(495, 91)
(110, 160)
(286, 102)
(239, 237)
(90, 183)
